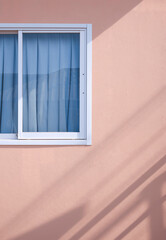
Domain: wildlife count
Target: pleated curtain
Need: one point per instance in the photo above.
(51, 82)
(8, 83)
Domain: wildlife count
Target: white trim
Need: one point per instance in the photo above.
(20, 64)
(55, 31)
(89, 84)
(57, 135)
(82, 89)
(42, 142)
(51, 135)
(37, 26)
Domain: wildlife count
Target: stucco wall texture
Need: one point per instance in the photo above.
(116, 188)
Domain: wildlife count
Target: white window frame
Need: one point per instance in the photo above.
(59, 138)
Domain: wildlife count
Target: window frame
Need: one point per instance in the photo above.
(82, 138)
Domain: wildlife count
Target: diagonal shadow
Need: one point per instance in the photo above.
(152, 195)
(145, 110)
(111, 10)
(56, 228)
(118, 219)
(119, 199)
(138, 152)
(102, 14)
(132, 226)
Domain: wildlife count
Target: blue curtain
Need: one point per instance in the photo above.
(8, 83)
(51, 82)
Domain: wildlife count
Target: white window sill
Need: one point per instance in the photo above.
(43, 142)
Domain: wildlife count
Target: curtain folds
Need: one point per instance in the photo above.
(8, 83)
(51, 82)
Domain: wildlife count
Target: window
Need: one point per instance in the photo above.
(45, 84)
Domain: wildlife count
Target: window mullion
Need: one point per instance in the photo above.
(20, 92)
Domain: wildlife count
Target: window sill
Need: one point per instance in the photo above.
(44, 142)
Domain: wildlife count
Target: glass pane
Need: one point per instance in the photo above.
(51, 82)
(8, 83)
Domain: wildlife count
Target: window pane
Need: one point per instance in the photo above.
(8, 83)
(51, 82)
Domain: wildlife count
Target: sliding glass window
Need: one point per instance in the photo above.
(44, 87)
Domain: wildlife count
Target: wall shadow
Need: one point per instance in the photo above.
(139, 116)
(109, 12)
(151, 194)
(113, 11)
(124, 195)
(56, 228)
(102, 14)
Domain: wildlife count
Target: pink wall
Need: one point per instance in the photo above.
(116, 188)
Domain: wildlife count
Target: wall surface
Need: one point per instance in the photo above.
(116, 188)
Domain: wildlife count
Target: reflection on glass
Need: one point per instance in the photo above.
(51, 82)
